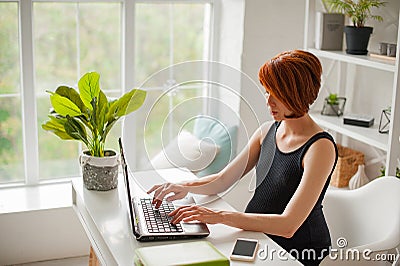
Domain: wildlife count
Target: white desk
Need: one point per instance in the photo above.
(104, 216)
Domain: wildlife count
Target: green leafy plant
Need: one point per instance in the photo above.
(357, 10)
(326, 6)
(89, 115)
(333, 99)
(382, 171)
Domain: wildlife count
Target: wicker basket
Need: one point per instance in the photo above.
(346, 166)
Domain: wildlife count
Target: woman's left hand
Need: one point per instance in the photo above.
(196, 213)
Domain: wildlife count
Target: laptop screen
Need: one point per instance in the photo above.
(126, 179)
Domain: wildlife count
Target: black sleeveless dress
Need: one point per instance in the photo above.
(278, 176)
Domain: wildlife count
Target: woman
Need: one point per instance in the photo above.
(294, 160)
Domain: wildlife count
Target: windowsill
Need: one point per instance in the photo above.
(33, 198)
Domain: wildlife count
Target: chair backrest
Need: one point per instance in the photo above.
(367, 215)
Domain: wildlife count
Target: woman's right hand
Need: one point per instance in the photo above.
(160, 191)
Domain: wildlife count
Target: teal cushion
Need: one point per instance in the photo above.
(210, 129)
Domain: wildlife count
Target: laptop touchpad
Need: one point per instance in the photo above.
(192, 227)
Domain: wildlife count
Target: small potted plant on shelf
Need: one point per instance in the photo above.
(359, 11)
(333, 105)
(88, 116)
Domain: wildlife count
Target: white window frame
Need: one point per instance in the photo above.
(29, 108)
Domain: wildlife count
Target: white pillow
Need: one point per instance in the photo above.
(186, 150)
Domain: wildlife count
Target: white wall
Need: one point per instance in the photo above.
(41, 235)
(270, 27)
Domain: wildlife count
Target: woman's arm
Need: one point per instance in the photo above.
(235, 170)
(318, 163)
(221, 181)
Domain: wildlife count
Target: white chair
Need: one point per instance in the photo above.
(367, 218)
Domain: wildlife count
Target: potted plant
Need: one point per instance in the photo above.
(333, 105)
(359, 11)
(88, 116)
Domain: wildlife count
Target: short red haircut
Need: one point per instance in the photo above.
(294, 78)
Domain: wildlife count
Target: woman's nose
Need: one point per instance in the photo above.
(270, 100)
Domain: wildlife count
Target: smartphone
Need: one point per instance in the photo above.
(244, 249)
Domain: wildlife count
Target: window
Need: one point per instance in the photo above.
(166, 34)
(66, 47)
(90, 38)
(11, 161)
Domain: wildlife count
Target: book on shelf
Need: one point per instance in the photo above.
(329, 31)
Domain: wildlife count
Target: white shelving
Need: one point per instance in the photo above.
(361, 60)
(366, 135)
(389, 143)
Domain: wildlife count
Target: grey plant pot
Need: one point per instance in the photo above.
(100, 173)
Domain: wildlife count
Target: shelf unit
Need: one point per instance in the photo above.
(360, 60)
(363, 134)
(389, 143)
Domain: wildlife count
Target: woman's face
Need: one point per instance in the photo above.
(276, 108)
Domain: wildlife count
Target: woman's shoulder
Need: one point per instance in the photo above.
(321, 143)
(321, 135)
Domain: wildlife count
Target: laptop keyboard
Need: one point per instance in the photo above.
(157, 220)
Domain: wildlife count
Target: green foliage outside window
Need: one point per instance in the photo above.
(59, 54)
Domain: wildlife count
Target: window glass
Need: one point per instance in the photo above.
(165, 35)
(66, 47)
(72, 38)
(11, 152)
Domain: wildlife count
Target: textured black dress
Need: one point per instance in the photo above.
(278, 176)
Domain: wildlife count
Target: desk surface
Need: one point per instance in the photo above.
(104, 216)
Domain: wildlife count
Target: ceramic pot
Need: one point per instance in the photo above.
(100, 173)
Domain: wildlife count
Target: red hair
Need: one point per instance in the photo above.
(294, 78)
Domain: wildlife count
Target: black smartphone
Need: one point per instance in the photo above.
(244, 249)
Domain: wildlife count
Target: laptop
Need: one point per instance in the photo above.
(151, 224)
